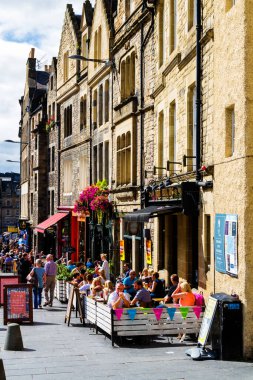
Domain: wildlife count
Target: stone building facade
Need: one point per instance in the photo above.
(133, 117)
(133, 120)
(9, 201)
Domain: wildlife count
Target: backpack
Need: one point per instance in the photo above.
(199, 299)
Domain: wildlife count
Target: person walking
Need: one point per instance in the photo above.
(24, 267)
(49, 279)
(38, 273)
(105, 265)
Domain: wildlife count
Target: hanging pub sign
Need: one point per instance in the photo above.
(225, 244)
(22, 224)
(18, 303)
(148, 252)
(122, 250)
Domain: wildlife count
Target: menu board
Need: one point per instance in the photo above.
(6, 280)
(18, 303)
(207, 320)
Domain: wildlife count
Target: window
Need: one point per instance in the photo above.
(106, 162)
(83, 112)
(51, 83)
(95, 48)
(32, 203)
(191, 13)
(53, 111)
(48, 202)
(94, 104)
(100, 161)
(100, 105)
(35, 182)
(67, 176)
(7, 212)
(95, 172)
(230, 131)
(191, 127)
(230, 4)
(31, 168)
(124, 159)
(128, 76)
(127, 8)
(52, 203)
(8, 203)
(160, 142)
(83, 172)
(66, 66)
(161, 32)
(207, 243)
(173, 25)
(172, 135)
(84, 50)
(49, 111)
(68, 121)
(53, 159)
(106, 101)
(36, 142)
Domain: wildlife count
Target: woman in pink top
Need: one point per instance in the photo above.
(184, 294)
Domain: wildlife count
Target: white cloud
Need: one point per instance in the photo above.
(24, 24)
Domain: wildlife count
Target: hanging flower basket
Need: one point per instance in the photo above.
(50, 124)
(93, 198)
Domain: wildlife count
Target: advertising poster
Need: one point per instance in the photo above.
(207, 320)
(219, 243)
(231, 245)
(122, 250)
(225, 244)
(148, 252)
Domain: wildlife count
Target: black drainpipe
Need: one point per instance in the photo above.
(198, 87)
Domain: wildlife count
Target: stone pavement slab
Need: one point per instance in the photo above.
(54, 351)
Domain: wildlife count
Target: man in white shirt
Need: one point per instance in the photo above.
(105, 266)
(118, 298)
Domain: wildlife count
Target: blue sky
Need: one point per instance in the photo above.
(23, 25)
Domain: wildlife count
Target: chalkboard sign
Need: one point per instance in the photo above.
(207, 320)
(18, 303)
(70, 307)
(6, 280)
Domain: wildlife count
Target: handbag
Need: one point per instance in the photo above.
(32, 278)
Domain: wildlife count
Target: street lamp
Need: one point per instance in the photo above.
(78, 57)
(12, 161)
(16, 142)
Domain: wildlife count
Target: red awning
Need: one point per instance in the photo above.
(50, 221)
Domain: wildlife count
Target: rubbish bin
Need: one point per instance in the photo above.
(226, 330)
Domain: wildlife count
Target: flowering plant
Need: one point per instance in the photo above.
(101, 202)
(93, 198)
(50, 123)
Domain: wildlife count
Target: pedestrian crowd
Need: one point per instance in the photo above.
(93, 279)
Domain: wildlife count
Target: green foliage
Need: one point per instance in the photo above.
(102, 184)
(63, 273)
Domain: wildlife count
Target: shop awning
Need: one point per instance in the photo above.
(51, 221)
(145, 214)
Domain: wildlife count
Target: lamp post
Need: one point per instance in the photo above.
(12, 161)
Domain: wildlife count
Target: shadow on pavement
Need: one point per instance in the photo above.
(45, 323)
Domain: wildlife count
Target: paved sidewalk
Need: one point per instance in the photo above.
(54, 351)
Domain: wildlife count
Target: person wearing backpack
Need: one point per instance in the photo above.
(38, 274)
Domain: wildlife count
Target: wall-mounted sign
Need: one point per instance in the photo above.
(18, 303)
(122, 250)
(225, 244)
(148, 252)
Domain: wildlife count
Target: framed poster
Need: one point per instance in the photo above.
(122, 250)
(6, 280)
(148, 252)
(18, 305)
(207, 320)
(225, 244)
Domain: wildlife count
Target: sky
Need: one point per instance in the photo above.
(23, 25)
